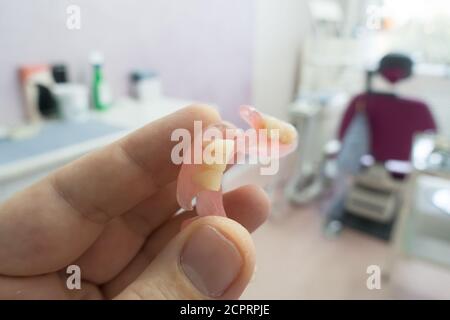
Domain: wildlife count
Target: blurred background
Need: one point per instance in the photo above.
(360, 211)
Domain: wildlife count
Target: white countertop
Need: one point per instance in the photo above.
(125, 113)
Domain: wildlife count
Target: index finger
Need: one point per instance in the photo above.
(51, 223)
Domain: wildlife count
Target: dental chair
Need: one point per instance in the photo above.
(370, 199)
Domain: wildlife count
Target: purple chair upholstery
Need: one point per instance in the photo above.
(393, 122)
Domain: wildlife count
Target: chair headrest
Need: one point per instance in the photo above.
(395, 67)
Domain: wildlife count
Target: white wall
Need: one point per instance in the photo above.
(279, 32)
(201, 48)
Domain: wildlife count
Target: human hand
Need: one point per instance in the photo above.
(112, 213)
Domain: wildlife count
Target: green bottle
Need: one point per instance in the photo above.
(101, 97)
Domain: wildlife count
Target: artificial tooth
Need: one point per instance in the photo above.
(217, 153)
(286, 132)
(208, 179)
(215, 158)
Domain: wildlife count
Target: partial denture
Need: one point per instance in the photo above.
(203, 181)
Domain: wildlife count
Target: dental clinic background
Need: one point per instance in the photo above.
(364, 82)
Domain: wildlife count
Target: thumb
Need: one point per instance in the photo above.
(212, 258)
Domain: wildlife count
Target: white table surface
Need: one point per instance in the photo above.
(125, 113)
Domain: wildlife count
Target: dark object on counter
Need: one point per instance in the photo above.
(59, 72)
(136, 76)
(46, 102)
